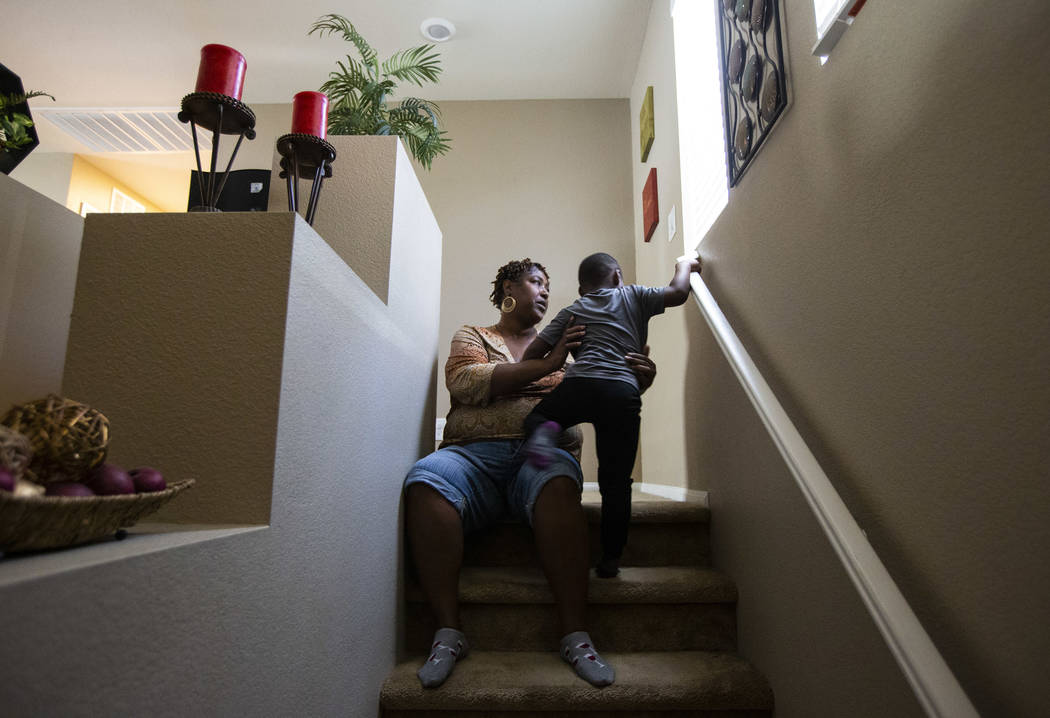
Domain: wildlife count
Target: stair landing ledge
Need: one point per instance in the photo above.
(525, 682)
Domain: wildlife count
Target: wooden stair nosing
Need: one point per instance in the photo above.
(635, 584)
(656, 512)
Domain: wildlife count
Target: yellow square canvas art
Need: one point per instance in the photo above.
(647, 123)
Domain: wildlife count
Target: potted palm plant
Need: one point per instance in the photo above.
(17, 133)
(359, 88)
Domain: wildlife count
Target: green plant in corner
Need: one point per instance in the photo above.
(13, 125)
(358, 91)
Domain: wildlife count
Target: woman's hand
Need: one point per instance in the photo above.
(643, 367)
(510, 377)
(570, 339)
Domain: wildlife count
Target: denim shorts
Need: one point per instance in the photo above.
(487, 480)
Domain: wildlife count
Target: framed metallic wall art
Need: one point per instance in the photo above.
(754, 77)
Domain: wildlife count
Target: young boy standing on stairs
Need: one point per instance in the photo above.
(599, 388)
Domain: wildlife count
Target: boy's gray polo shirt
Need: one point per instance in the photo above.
(617, 322)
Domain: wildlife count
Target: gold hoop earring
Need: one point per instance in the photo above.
(509, 303)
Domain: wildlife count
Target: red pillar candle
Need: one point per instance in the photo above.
(310, 114)
(221, 71)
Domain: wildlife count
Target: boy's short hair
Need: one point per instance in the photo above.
(595, 269)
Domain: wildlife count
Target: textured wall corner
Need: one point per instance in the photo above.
(177, 335)
(356, 207)
(39, 247)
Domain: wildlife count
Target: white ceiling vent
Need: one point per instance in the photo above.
(130, 130)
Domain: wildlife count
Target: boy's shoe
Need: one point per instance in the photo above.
(539, 449)
(608, 568)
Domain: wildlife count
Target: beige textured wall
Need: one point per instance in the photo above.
(355, 209)
(39, 250)
(177, 336)
(885, 262)
(543, 179)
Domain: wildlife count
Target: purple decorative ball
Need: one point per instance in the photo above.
(147, 480)
(110, 479)
(68, 488)
(7, 480)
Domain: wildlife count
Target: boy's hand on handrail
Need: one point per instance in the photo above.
(677, 291)
(695, 263)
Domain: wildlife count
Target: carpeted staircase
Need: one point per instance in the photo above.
(667, 624)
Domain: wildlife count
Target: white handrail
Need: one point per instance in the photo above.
(933, 682)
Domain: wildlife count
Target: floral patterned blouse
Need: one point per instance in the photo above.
(475, 415)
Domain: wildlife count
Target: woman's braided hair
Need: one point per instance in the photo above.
(513, 271)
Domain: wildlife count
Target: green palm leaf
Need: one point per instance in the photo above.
(358, 92)
(414, 65)
(331, 24)
(412, 106)
(13, 125)
(15, 99)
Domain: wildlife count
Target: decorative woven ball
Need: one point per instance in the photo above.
(67, 438)
(15, 451)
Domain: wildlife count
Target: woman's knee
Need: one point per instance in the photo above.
(560, 490)
(420, 496)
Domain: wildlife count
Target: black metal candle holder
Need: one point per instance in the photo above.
(223, 115)
(304, 154)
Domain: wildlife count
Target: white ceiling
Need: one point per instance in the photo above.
(145, 53)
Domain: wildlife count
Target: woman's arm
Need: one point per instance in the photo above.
(509, 378)
(540, 346)
(536, 350)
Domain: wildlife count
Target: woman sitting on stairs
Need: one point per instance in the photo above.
(480, 472)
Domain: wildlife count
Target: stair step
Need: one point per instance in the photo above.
(644, 507)
(520, 685)
(650, 608)
(663, 532)
(635, 584)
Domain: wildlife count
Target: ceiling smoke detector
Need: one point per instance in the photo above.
(437, 29)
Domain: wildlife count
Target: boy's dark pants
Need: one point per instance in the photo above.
(614, 408)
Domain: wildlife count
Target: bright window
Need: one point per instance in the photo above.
(120, 202)
(701, 131)
(833, 19)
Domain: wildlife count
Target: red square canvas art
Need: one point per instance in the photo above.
(650, 206)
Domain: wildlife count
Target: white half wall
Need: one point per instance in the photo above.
(299, 617)
(46, 172)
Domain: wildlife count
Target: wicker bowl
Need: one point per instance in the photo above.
(30, 523)
(68, 438)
